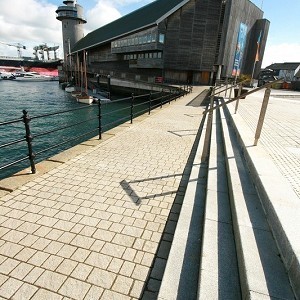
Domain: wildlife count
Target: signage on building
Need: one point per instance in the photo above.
(239, 52)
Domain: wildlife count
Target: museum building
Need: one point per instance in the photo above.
(179, 41)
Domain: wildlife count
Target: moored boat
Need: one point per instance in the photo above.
(33, 77)
(84, 98)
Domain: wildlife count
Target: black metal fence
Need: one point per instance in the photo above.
(39, 140)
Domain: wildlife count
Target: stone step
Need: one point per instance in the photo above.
(219, 276)
(262, 272)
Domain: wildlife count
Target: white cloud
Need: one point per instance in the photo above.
(281, 53)
(30, 23)
(103, 13)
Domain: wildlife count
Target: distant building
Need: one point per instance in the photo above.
(72, 19)
(184, 41)
(288, 71)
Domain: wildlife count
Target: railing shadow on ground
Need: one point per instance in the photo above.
(152, 284)
(37, 144)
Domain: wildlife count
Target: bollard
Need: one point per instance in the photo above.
(29, 138)
(131, 108)
(205, 150)
(150, 98)
(100, 118)
(237, 101)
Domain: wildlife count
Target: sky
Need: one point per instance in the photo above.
(33, 22)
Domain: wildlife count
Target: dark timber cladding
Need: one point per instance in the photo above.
(182, 41)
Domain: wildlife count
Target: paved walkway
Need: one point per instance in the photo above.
(281, 130)
(92, 227)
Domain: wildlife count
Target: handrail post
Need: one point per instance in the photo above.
(150, 98)
(131, 108)
(230, 92)
(29, 138)
(237, 101)
(226, 87)
(205, 151)
(262, 115)
(100, 118)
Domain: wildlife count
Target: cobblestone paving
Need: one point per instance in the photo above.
(90, 229)
(281, 130)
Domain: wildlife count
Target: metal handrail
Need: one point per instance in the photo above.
(244, 95)
(213, 107)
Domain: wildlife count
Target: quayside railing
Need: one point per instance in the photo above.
(34, 140)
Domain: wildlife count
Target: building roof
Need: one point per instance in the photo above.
(284, 66)
(144, 17)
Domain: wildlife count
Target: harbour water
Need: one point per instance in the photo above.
(39, 99)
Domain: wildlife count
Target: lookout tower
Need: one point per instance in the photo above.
(72, 17)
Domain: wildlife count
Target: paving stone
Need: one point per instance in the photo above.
(51, 280)
(26, 291)
(82, 271)
(21, 271)
(74, 288)
(99, 260)
(44, 294)
(122, 284)
(9, 287)
(8, 265)
(101, 278)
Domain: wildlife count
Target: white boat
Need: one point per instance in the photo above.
(33, 77)
(85, 98)
(70, 88)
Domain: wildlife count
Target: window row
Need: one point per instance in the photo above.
(143, 55)
(138, 40)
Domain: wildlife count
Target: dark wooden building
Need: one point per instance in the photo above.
(187, 41)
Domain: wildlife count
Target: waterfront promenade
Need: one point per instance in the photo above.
(93, 226)
(100, 225)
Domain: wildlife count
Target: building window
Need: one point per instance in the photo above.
(161, 38)
(153, 37)
(159, 55)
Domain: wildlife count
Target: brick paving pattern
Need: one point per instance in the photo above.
(90, 228)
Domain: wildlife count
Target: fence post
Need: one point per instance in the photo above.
(205, 150)
(29, 138)
(131, 108)
(230, 92)
(237, 101)
(100, 118)
(262, 115)
(150, 98)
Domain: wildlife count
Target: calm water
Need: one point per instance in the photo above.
(43, 98)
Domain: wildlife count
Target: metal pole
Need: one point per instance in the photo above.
(29, 138)
(237, 101)
(262, 115)
(226, 82)
(208, 129)
(131, 109)
(150, 98)
(100, 118)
